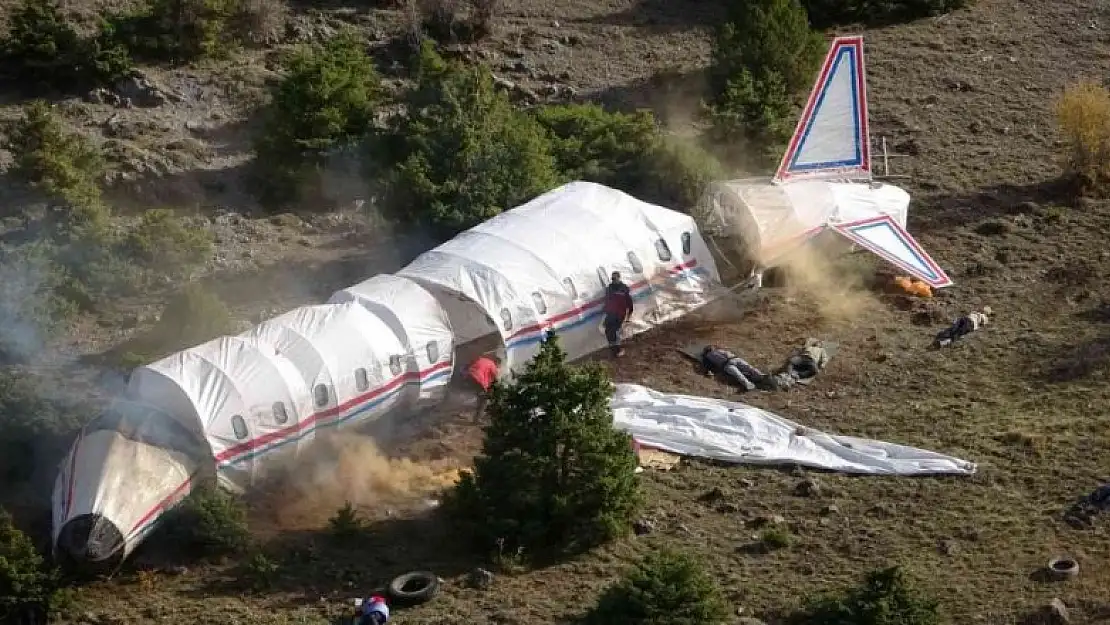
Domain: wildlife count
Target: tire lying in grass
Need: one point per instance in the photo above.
(413, 588)
(1063, 568)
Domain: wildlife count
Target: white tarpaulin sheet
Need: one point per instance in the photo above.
(733, 432)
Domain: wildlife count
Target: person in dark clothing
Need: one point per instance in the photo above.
(719, 360)
(618, 310)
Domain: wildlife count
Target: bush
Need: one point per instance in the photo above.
(64, 166)
(665, 587)
(447, 21)
(829, 13)
(461, 153)
(676, 172)
(26, 587)
(181, 31)
(209, 523)
(590, 143)
(160, 243)
(33, 306)
(886, 597)
(346, 524)
(554, 476)
(764, 55)
(326, 102)
(42, 51)
(1083, 115)
(35, 430)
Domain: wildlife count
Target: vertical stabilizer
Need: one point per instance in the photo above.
(832, 137)
(883, 237)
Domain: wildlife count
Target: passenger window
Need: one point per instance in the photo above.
(687, 243)
(506, 319)
(239, 426)
(604, 279)
(663, 250)
(567, 282)
(395, 365)
(362, 381)
(280, 416)
(321, 394)
(433, 351)
(541, 306)
(634, 260)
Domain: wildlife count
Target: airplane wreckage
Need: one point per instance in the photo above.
(391, 344)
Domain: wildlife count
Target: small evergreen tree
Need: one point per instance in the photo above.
(663, 588)
(461, 153)
(326, 102)
(590, 143)
(26, 586)
(764, 55)
(554, 476)
(886, 597)
(210, 522)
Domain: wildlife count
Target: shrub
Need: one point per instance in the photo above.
(1083, 115)
(346, 524)
(64, 166)
(181, 31)
(554, 476)
(665, 587)
(447, 21)
(35, 430)
(828, 13)
(774, 538)
(26, 586)
(163, 245)
(325, 102)
(590, 143)
(461, 153)
(32, 303)
(886, 597)
(208, 523)
(764, 55)
(676, 172)
(42, 50)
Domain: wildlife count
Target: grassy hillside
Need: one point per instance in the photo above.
(965, 98)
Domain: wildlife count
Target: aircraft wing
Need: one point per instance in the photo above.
(886, 239)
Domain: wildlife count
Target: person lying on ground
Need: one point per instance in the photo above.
(618, 310)
(480, 376)
(804, 362)
(375, 611)
(717, 360)
(962, 327)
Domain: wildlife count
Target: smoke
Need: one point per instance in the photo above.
(304, 493)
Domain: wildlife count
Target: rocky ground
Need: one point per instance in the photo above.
(965, 99)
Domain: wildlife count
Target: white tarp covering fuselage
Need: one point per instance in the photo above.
(734, 432)
(385, 346)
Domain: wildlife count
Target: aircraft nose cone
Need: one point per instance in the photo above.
(90, 543)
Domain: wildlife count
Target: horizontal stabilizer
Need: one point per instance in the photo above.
(886, 239)
(832, 136)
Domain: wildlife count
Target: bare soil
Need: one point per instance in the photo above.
(966, 100)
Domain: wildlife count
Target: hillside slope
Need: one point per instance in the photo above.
(967, 99)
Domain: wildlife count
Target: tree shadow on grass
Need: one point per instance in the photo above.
(946, 211)
(319, 564)
(672, 95)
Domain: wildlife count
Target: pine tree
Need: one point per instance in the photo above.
(554, 476)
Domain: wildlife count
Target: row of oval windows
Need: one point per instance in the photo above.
(662, 250)
(320, 391)
(362, 380)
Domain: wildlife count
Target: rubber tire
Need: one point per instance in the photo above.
(401, 596)
(1062, 574)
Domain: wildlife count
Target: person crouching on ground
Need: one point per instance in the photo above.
(962, 327)
(480, 377)
(718, 360)
(618, 310)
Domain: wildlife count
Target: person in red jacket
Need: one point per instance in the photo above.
(618, 309)
(480, 376)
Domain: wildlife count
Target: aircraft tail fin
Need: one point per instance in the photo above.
(832, 138)
(886, 239)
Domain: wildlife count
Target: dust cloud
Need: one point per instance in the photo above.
(304, 492)
(839, 294)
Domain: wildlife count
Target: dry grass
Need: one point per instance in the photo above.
(1083, 113)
